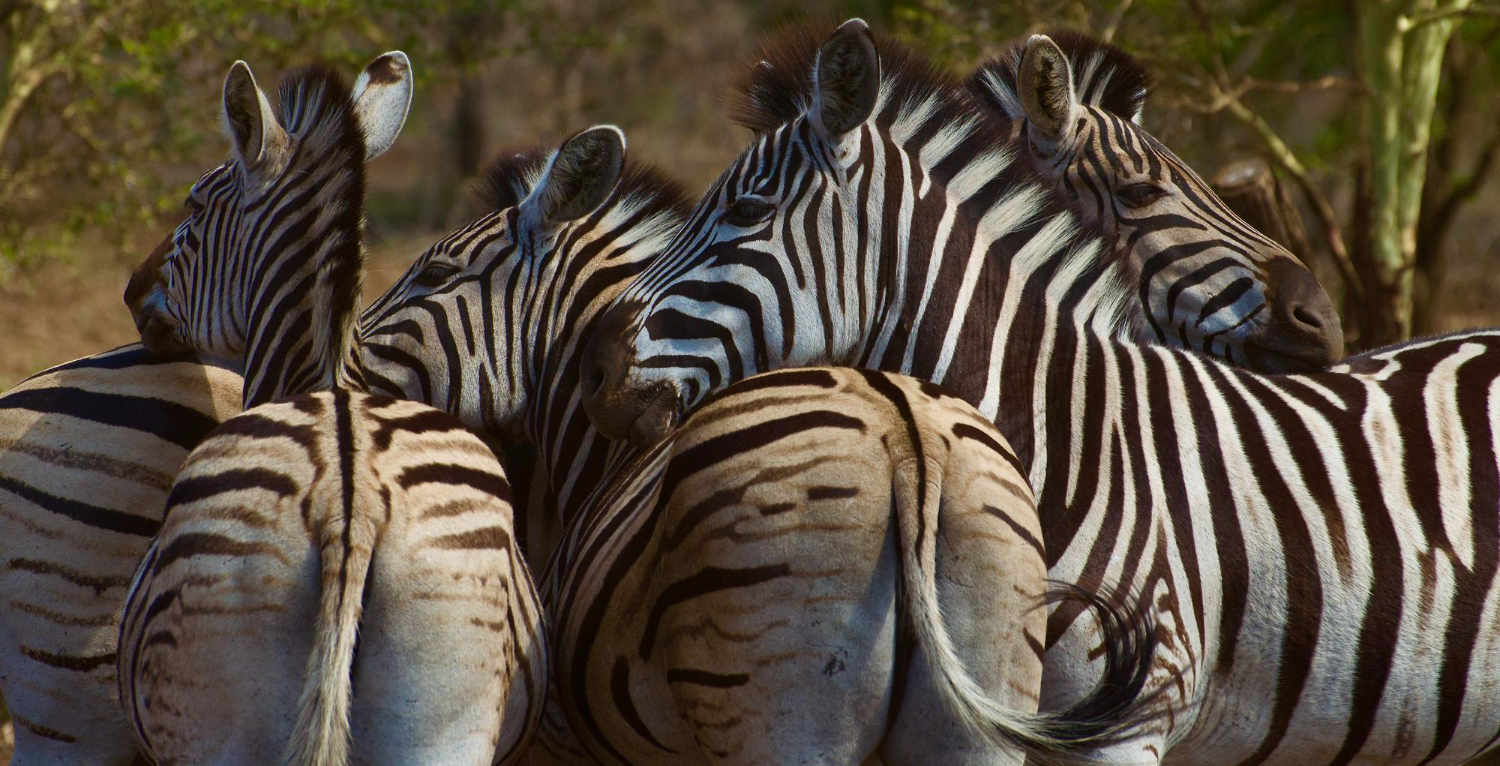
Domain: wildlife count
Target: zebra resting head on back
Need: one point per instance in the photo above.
(733, 594)
(1321, 550)
(1076, 103)
(280, 224)
(892, 192)
(88, 450)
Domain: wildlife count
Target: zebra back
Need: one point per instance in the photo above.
(88, 450)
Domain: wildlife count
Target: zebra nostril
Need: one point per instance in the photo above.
(1308, 318)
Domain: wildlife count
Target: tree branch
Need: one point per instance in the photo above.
(1329, 82)
(1406, 24)
(1287, 160)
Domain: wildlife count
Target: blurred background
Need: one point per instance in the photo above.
(1315, 112)
(1363, 133)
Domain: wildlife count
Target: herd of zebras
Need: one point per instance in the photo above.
(958, 423)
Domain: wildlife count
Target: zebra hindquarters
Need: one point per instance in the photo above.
(298, 525)
(88, 450)
(990, 572)
(217, 625)
(451, 666)
(768, 609)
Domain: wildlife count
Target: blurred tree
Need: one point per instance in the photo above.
(107, 107)
(1457, 169)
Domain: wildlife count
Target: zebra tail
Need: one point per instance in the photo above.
(320, 736)
(1113, 712)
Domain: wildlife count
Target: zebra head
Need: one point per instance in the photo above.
(794, 255)
(487, 323)
(266, 265)
(1209, 280)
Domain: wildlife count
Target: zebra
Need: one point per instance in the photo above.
(90, 447)
(1127, 184)
(1210, 281)
(735, 594)
(291, 518)
(1320, 549)
(292, 527)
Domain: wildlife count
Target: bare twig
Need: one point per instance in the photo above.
(1329, 82)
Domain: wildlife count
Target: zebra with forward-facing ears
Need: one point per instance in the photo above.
(302, 525)
(822, 566)
(1320, 550)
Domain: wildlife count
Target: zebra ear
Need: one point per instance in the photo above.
(247, 115)
(1045, 85)
(382, 98)
(846, 79)
(579, 178)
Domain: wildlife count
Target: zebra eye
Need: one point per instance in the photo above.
(1140, 194)
(192, 206)
(435, 274)
(748, 212)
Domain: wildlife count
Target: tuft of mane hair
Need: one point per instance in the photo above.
(1104, 76)
(511, 176)
(315, 97)
(777, 87)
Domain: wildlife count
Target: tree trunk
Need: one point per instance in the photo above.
(1385, 316)
(1401, 53)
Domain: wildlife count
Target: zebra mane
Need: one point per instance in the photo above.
(511, 176)
(1104, 76)
(316, 99)
(776, 88)
(317, 110)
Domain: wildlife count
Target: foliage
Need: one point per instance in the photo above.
(104, 103)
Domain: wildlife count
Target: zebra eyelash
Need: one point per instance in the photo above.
(746, 212)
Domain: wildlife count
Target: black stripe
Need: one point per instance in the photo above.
(966, 431)
(169, 421)
(456, 475)
(706, 678)
(701, 583)
(484, 538)
(81, 664)
(202, 486)
(204, 544)
(81, 512)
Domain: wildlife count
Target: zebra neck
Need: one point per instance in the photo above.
(1008, 347)
(303, 334)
